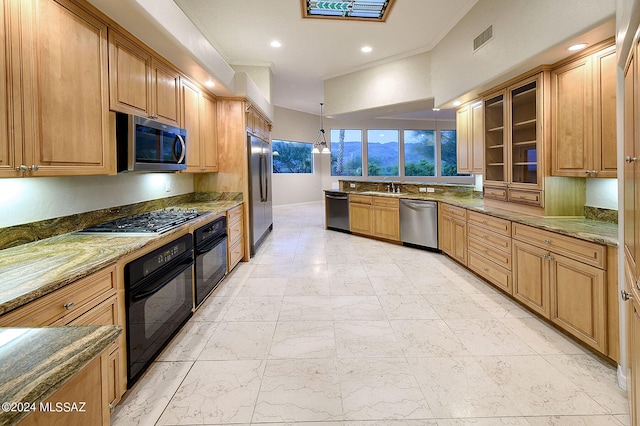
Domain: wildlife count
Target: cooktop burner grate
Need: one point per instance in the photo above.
(155, 222)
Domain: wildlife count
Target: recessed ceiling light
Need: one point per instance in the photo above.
(578, 46)
(457, 103)
(209, 83)
(366, 49)
(435, 109)
(276, 43)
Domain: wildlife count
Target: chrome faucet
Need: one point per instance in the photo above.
(393, 188)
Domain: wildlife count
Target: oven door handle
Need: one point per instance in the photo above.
(210, 245)
(166, 279)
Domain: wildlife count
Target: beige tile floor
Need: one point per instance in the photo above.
(322, 328)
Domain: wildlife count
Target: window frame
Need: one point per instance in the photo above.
(437, 179)
(273, 141)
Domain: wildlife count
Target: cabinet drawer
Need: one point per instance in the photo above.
(360, 199)
(495, 193)
(236, 253)
(492, 239)
(493, 273)
(453, 211)
(386, 202)
(533, 198)
(574, 248)
(235, 231)
(501, 226)
(66, 304)
(234, 214)
(487, 250)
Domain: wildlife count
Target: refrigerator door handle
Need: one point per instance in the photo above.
(266, 179)
(263, 177)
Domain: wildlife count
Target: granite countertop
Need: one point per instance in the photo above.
(578, 227)
(32, 270)
(55, 355)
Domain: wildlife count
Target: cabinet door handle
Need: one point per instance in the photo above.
(625, 295)
(34, 168)
(629, 159)
(22, 168)
(486, 269)
(547, 241)
(69, 305)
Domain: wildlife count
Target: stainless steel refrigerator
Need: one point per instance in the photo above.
(260, 200)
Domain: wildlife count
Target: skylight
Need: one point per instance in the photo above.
(368, 10)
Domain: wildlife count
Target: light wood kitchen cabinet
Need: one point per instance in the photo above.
(386, 218)
(564, 279)
(531, 277)
(584, 114)
(470, 137)
(634, 362)
(55, 51)
(375, 216)
(8, 160)
(516, 149)
(452, 232)
(198, 113)
(235, 231)
(92, 300)
(141, 83)
(360, 214)
(489, 244)
(86, 386)
(257, 125)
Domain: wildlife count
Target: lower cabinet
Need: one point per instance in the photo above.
(91, 300)
(452, 232)
(375, 216)
(489, 244)
(570, 293)
(235, 232)
(86, 386)
(634, 362)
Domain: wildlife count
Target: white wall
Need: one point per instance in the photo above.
(523, 31)
(33, 199)
(400, 81)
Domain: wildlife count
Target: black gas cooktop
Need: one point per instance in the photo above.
(155, 222)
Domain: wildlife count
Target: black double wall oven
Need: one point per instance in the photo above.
(165, 286)
(210, 247)
(159, 299)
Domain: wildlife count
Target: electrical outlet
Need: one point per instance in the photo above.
(422, 189)
(352, 185)
(431, 190)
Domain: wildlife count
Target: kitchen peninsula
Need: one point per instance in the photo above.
(562, 268)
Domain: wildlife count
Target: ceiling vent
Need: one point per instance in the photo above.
(483, 38)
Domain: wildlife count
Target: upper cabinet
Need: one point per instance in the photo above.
(141, 83)
(470, 138)
(199, 119)
(584, 114)
(55, 118)
(256, 124)
(516, 149)
(514, 137)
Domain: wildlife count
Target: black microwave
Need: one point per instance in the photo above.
(149, 146)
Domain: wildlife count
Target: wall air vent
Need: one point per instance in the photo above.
(483, 38)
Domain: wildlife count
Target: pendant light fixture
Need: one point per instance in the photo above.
(320, 146)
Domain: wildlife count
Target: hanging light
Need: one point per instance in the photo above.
(320, 146)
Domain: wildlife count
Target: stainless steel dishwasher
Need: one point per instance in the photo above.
(419, 223)
(337, 210)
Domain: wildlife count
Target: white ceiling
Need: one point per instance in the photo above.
(317, 49)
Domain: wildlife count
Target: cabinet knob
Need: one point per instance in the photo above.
(486, 269)
(22, 168)
(547, 241)
(69, 305)
(625, 295)
(522, 197)
(629, 159)
(34, 168)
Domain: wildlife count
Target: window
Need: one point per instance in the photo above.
(448, 153)
(292, 157)
(419, 153)
(346, 152)
(382, 153)
(411, 154)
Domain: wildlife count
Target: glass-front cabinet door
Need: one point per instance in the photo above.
(495, 152)
(524, 133)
